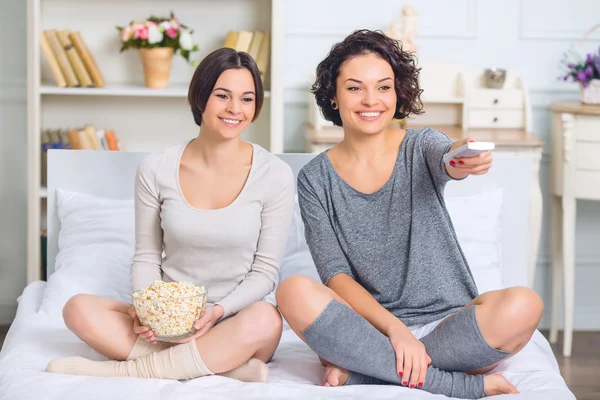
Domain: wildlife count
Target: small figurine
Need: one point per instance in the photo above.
(406, 31)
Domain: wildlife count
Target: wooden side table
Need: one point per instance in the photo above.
(575, 175)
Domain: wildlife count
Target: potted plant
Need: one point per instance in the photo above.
(586, 72)
(158, 39)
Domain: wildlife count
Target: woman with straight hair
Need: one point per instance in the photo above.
(220, 208)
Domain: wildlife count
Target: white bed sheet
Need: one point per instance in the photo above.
(35, 338)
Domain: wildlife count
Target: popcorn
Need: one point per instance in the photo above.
(170, 308)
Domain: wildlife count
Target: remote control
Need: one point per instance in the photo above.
(470, 149)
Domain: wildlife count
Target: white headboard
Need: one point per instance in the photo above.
(112, 174)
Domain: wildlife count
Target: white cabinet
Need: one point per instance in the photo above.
(143, 119)
(575, 175)
(497, 99)
(495, 118)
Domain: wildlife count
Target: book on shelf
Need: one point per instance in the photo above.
(44, 252)
(57, 73)
(264, 57)
(87, 58)
(70, 60)
(84, 77)
(61, 57)
(255, 43)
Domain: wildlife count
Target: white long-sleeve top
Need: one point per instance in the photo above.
(234, 252)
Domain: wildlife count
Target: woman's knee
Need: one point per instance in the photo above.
(76, 311)
(302, 299)
(262, 321)
(509, 318)
(293, 290)
(521, 307)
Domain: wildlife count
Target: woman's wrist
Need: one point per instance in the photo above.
(396, 328)
(219, 311)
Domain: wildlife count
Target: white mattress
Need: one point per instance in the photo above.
(35, 338)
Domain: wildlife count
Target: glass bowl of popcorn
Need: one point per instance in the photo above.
(170, 309)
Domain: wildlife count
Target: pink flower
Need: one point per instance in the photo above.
(126, 33)
(175, 23)
(143, 33)
(172, 33)
(164, 25)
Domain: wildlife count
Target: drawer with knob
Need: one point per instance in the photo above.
(495, 98)
(486, 118)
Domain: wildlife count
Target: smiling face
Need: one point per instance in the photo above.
(365, 96)
(231, 104)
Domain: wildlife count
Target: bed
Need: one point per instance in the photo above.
(90, 239)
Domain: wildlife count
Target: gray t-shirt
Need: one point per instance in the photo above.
(398, 242)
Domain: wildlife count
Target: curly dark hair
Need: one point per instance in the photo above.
(209, 70)
(361, 42)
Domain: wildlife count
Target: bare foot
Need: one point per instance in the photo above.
(497, 384)
(334, 376)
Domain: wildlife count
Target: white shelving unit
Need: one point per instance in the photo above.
(143, 119)
(122, 89)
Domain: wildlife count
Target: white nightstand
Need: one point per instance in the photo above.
(575, 175)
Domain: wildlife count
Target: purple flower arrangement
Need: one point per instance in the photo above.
(580, 70)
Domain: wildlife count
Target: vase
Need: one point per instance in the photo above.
(591, 93)
(157, 66)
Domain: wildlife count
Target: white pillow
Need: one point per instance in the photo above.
(297, 259)
(477, 221)
(96, 244)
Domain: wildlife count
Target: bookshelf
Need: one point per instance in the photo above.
(121, 89)
(143, 119)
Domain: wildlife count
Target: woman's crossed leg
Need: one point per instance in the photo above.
(304, 301)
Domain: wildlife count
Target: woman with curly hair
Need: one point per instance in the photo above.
(399, 303)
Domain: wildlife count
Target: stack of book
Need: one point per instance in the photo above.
(257, 44)
(86, 138)
(70, 60)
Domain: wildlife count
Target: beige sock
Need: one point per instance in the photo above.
(253, 370)
(142, 348)
(178, 362)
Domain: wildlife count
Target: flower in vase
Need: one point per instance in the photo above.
(172, 32)
(143, 33)
(164, 25)
(126, 33)
(159, 32)
(580, 70)
(154, 35)
(185, 40)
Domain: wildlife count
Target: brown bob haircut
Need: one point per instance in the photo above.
(208, 71)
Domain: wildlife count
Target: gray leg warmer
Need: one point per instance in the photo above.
(456, 344)
(346, 339)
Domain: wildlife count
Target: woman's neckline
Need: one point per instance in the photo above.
(387, 183)
(235, 200)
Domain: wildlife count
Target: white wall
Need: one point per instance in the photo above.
(13, 155)
(527, 36)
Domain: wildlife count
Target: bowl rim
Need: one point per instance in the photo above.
(203, 292)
